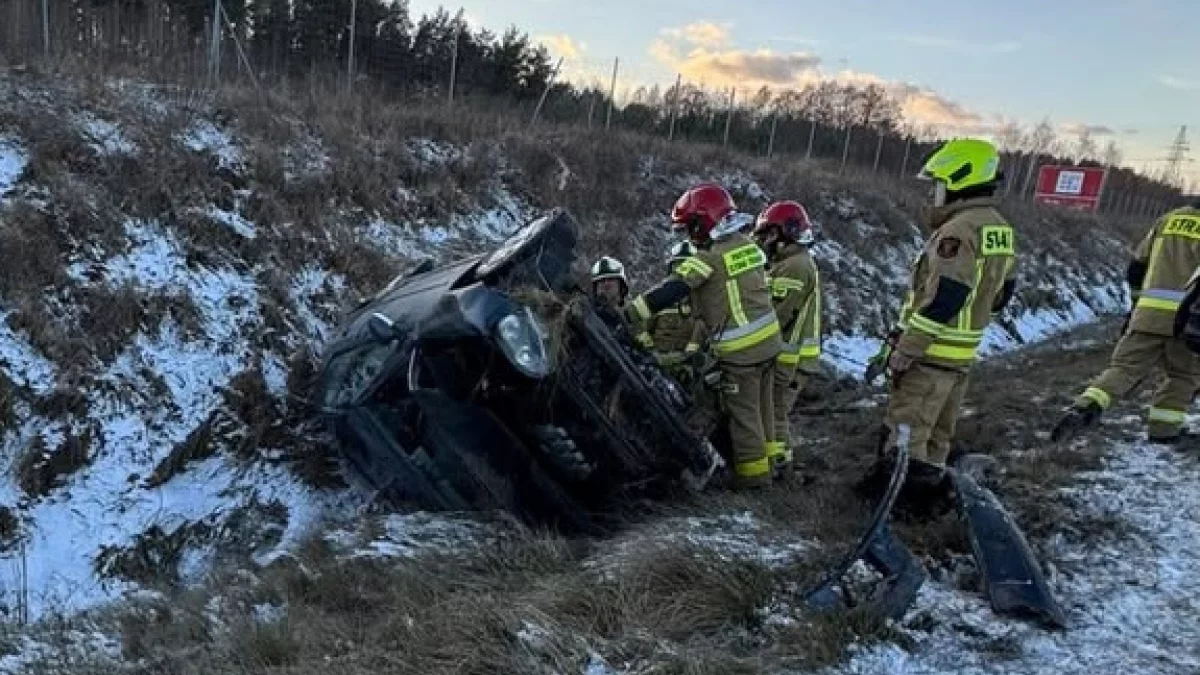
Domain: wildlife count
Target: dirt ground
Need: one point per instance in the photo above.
(711, 585)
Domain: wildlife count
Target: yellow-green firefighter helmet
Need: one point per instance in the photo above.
(963, 163)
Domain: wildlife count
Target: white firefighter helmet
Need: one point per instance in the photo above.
(680, 251)
(608, 267)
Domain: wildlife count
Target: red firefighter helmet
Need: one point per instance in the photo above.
(701, 209)
(791, 219)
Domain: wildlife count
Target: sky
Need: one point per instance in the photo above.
(1127, 70)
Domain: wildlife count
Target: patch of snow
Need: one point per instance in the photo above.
(204, 136)
(408, 535)
(433, 153)
(234, 221)
(849, 354)
(1132, 603)
(275, 374)
(108, 502)
(268, 613)
(104, 136)
(13, 160)
(306, 286)
(596, 665)
(732, 535)
(31, 654)
(23, 364)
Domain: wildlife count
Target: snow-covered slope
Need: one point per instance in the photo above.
(1134, 598)
(184, 263)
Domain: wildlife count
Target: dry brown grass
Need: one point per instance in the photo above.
(39, 469)
(526, 603)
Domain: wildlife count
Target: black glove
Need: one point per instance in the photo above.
(878, 364)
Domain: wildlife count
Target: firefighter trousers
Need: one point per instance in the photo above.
(928, 399)
(1135, 358)
(747, 394)
(789, 382)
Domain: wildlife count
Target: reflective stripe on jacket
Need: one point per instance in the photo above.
(730, 295)
(796, 291)
(972, 245)
(1171, 253)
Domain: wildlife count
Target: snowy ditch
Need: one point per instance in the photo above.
(1132, 604)
(107, 504)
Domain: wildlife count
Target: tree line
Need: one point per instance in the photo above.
(404, 56)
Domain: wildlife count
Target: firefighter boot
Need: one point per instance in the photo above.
(1076, 420)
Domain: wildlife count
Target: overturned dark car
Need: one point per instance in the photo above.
(495, 383)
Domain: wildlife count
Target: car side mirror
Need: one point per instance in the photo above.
(382, 328)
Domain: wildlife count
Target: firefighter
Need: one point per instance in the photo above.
(784, 232)
(964, 275)
(727, 284)
(1157, 276)
(1187, 319)
(676, 333)
(609, 283)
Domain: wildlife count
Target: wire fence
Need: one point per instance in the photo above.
(853, 135)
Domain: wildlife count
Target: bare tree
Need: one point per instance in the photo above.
(1085, 147)
(1041, 140)
(1010, 137)
(1112, 154)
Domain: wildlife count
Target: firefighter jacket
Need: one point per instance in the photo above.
(965, 274)
(727, 284)
(676, 329)
(796, 291)
(1163, 263)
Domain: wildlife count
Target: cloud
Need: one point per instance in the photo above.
(1182, 84)
(957, 45)
(1078, 129)
(735, 67)
(563, 45)
(751, 69)
(701, 34)
(926, 106)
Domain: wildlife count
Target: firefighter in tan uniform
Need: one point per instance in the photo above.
(610, 286)
(727, 283)
(676, 332)
(785, 233)
(1158, 275)
(964, 275)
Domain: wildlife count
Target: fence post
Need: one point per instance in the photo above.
(771, 140)
(1028, 175)
(214, 55)
(845, 150)
(454, 59)
(546, 92)
(350, 56)
(675, 105)
(812, 133)
(612, 93)
(904, 162)
(729, 115)
(878, 152)
(46, 28)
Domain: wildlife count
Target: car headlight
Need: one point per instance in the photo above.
(523, 340)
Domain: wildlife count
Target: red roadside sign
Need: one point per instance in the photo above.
(1075, 187)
